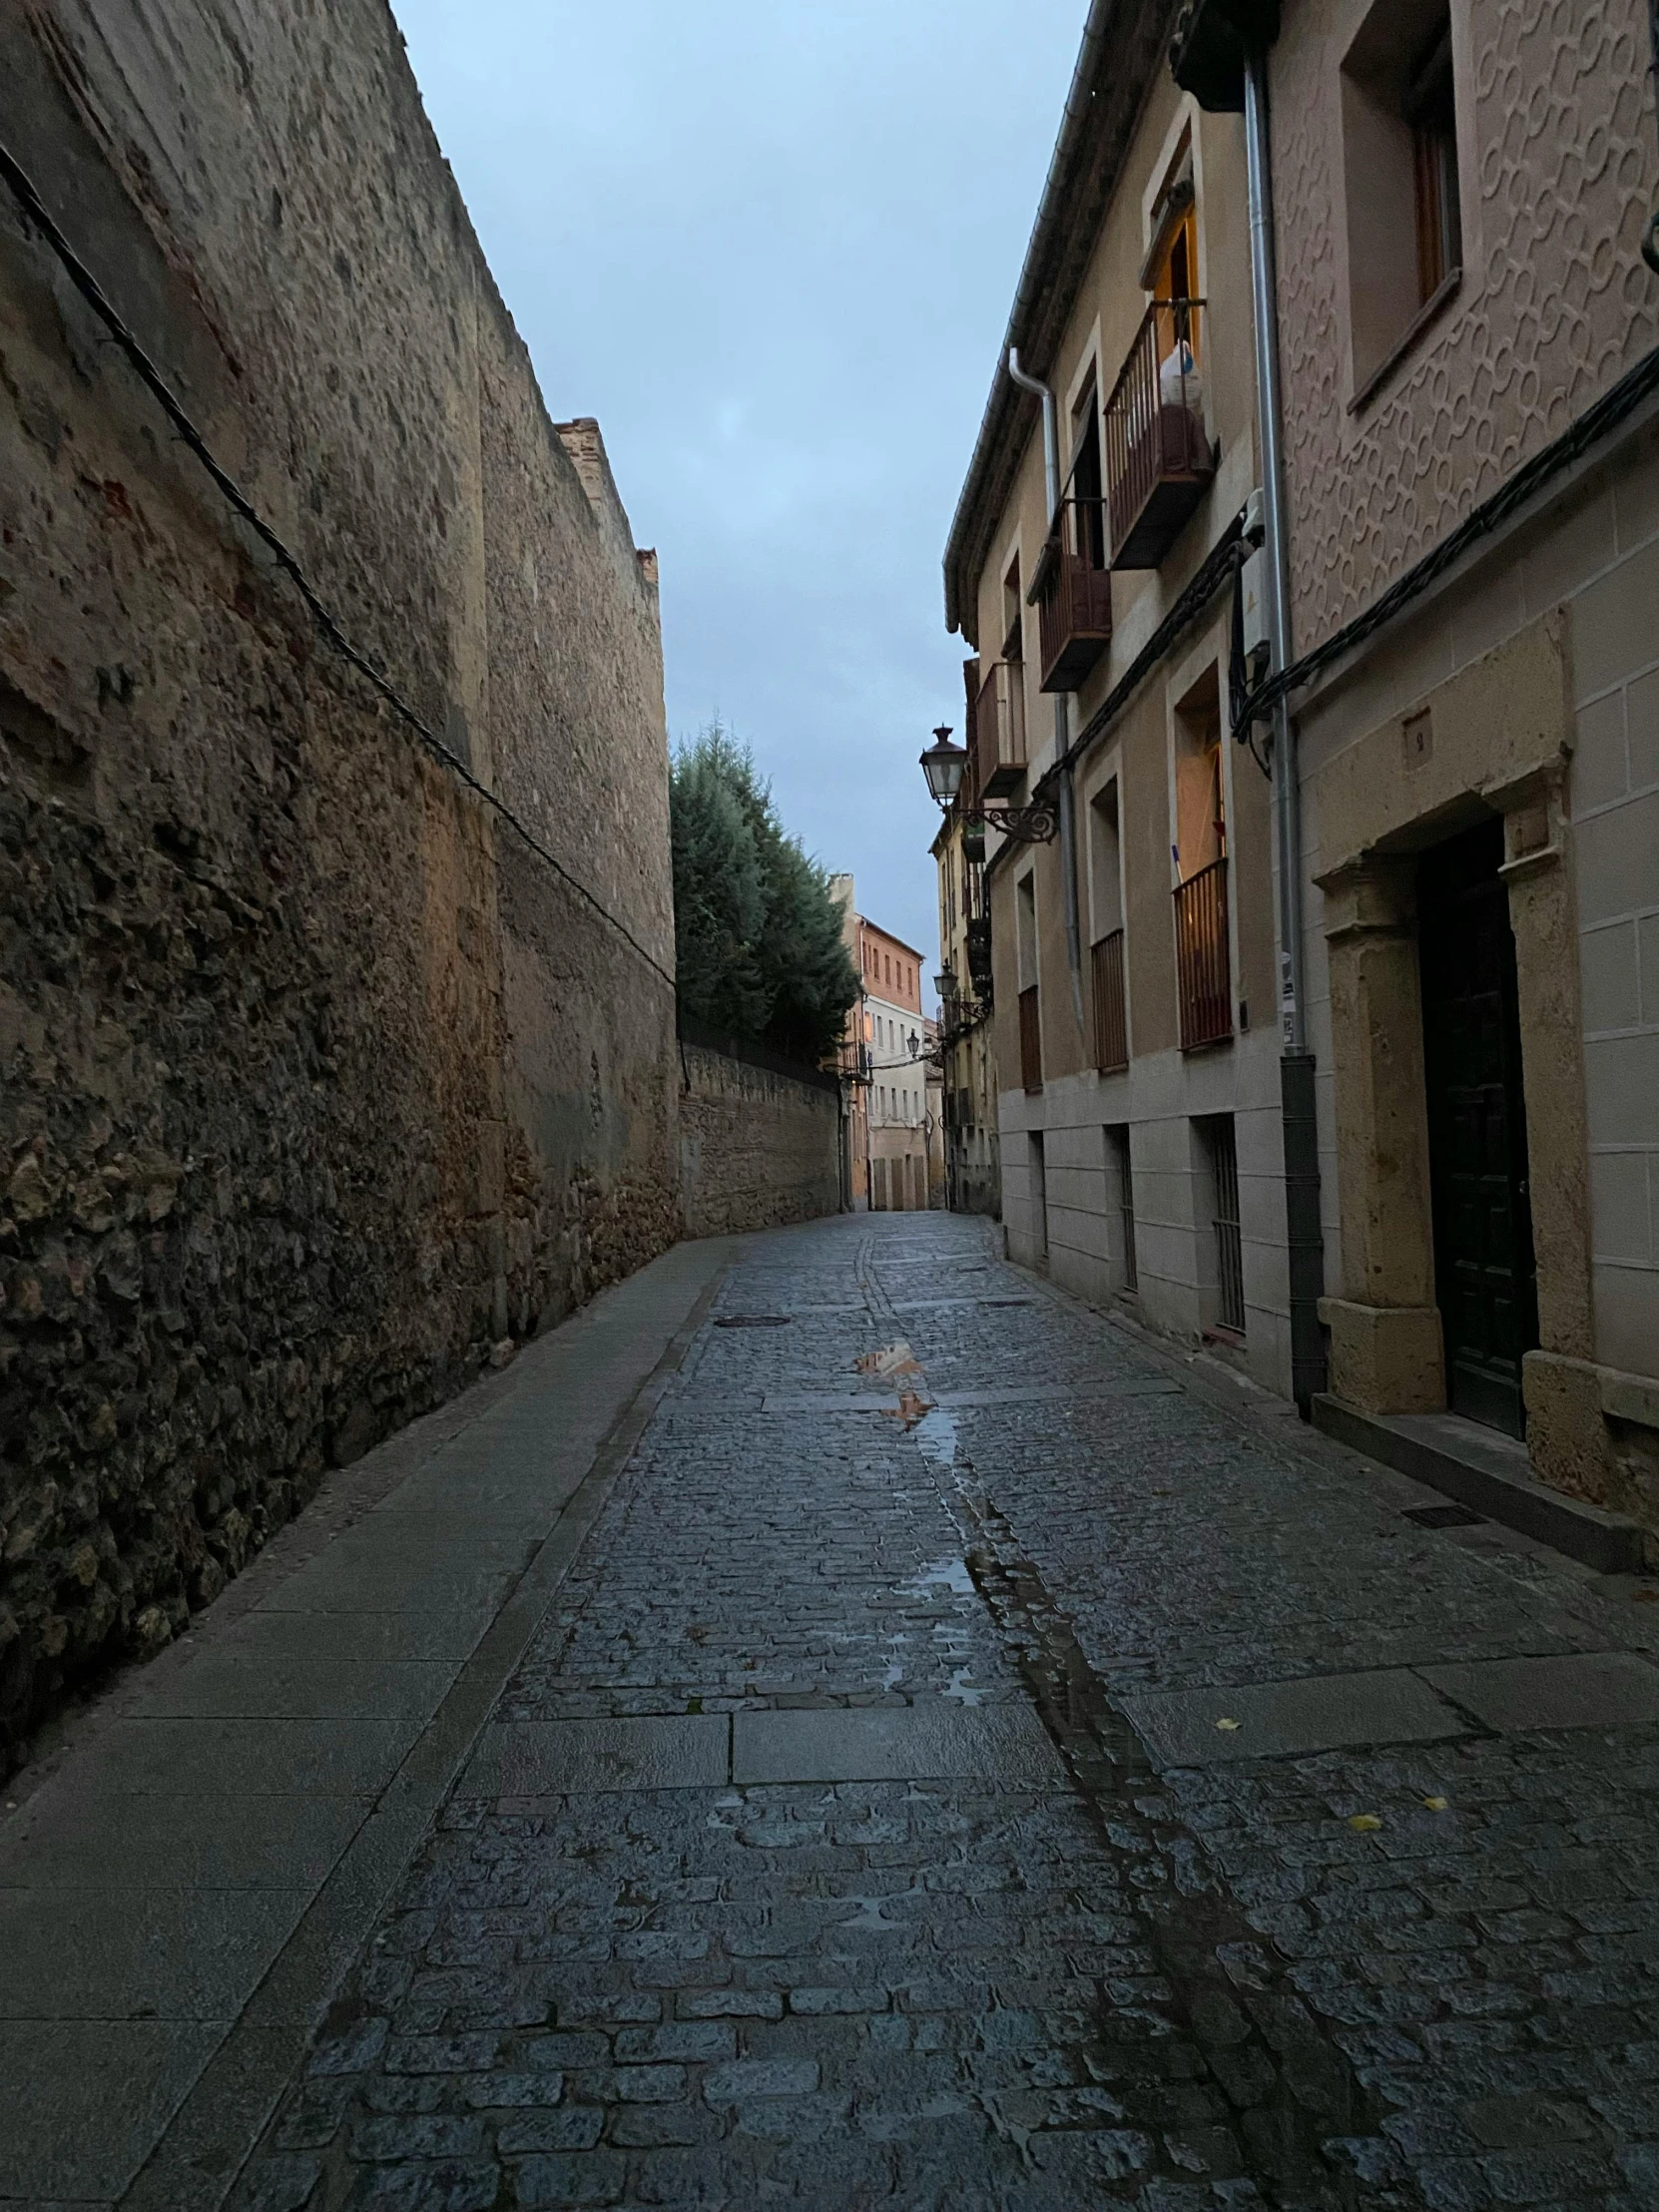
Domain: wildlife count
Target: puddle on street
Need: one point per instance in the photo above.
(951, 1574)
(889, 1363)
(936, 1434)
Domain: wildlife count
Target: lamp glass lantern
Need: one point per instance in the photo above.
(945, 766)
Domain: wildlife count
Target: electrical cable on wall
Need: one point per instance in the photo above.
(86, 284)
(1614, 405)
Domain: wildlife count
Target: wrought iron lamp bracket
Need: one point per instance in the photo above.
(1023, 824)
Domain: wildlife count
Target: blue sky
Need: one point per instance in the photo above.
(772, 246)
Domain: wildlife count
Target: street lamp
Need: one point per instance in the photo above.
(945, 764)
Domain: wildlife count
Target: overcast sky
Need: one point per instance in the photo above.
(772, 245)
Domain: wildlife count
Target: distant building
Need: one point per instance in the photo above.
(885, 1075)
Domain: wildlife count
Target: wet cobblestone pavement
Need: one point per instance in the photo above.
(1412, 1974)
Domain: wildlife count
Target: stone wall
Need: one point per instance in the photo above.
(320, 1082)
(757, 1148)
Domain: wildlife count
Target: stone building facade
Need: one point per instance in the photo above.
(967, 1034)
(1133, 957)
(1468, 333)
(337, 1051)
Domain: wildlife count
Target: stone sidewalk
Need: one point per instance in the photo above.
(975, 1760)
(182, 1887)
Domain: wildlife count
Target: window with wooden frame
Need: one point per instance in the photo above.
(1431, 107)
(1399, 169)
(1013, 617)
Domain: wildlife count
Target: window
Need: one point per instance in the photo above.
(1014, 614)
(1026, 916)
(1432, 110)
(1400, 168)
(1200, 789)
(1119, 1171)
(1221, 1157)
(1170, 271)
(1085, 479)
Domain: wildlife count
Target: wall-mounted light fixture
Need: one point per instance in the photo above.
(945, 764)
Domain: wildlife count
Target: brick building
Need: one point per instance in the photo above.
(894, 1132)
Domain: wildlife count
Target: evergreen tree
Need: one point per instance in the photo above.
(758, 934)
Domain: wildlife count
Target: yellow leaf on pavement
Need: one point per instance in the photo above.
(1435, 1804)
(1363, 1820)
(1227, 1724)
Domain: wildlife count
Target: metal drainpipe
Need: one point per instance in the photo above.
(1650, 231)
(1303, 1237)
(1062, 719)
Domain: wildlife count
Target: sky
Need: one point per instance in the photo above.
(772, 245)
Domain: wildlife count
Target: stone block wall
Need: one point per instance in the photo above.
(320, 1083)
(757, 1149)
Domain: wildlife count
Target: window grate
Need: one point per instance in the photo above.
(1224, 1158)
(1126, 1201)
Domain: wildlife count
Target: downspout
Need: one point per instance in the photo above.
(1304, 1235)
(1062, 719)
(1650, 230)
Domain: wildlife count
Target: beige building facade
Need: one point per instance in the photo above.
(966, 1030)
(1133, 957)
(1466, 331)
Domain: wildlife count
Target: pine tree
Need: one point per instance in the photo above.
(759, 936)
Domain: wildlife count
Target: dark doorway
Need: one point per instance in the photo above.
(1485, 1275)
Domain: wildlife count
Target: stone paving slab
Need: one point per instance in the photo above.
(233, 1681)
(205, 1755)
(1277, 1720)
(1002, 1746)
(128, 1962)
(1592, 1689)
(546, 1758)
(99, 2093)
(88, 1835)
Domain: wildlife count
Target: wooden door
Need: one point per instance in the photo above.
(1486, 1280)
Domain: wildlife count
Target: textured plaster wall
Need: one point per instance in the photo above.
(319, 1086)
(1559, 171)
(755, 1149)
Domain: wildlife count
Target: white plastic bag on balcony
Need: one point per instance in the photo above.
(1178, 383)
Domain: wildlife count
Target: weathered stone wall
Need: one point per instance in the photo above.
(755, 1149)
(317, 1084)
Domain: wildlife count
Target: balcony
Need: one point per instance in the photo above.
(1203, 968)
(1159, 459)
(999, 731)
(1073, 586)
(978, 934)
(1030, 1040)
(1111, 1019)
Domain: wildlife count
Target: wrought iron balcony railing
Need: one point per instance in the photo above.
(1074, 595)
(978, 935)
(1111, 1013)
(1159, 458)
(1203, 968)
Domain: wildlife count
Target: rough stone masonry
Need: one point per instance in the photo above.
(321, 1082)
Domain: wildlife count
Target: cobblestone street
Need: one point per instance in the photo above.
(1025, 1779)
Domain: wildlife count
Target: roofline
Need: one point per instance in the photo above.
(892, 939)
(1124, 45)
